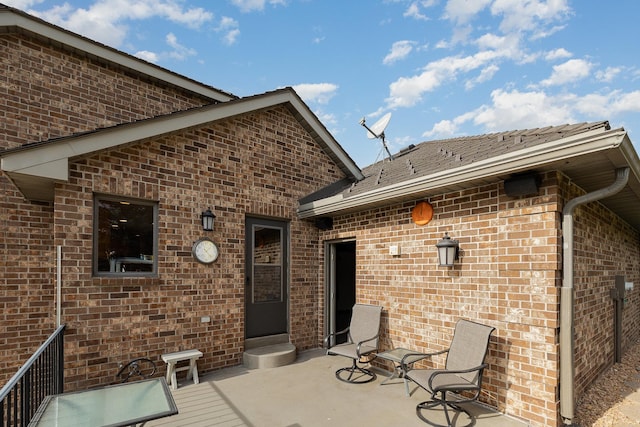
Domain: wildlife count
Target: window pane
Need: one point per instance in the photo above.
(125, 237)
(267, 264)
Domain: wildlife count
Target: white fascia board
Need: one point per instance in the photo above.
(57, 170)
(11, 19)
(565, 148)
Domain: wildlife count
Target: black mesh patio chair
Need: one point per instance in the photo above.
(362, 342)
(464, 366)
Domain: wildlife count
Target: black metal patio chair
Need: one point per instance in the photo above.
(462, 373)
(362, 341)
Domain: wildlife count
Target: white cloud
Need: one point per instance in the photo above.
(229, 27)
(512, 110)
(326, 118)
(255, 5)
(604, 105)
(22, 4)
(608, 74)
(531, 109)
(524, 110)
(485, 75)
(179, 51)
(399, 50)
(442, 129)
(104, 20)
(568, 72)
(147, 56)
(626, 102)
(560, 53)
(529, 15)
(448, 128)
(413, 11)
(462, 11)
(320, 93)
(408, 91)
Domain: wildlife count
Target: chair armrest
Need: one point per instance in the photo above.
(327, 341)
(455, 372)
(404, 363)
(365, 341)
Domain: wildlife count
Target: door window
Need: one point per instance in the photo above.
(267, 265)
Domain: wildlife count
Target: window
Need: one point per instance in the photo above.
(125, 240)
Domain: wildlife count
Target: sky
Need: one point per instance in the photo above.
(442, 68)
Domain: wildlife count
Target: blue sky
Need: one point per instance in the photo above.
(443, 68)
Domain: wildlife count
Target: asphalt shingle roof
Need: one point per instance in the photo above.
(436, 156)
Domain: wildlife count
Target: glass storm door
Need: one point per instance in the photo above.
(266, 271)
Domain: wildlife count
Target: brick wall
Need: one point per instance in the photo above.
(253, 165)
(605, 246)
(45, 93)
(508, 277)
(236, 168)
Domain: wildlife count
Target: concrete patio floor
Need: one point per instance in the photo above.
(307, 394)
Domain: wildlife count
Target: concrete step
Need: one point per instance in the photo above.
(269, 356)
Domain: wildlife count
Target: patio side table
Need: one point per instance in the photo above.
(395, 356)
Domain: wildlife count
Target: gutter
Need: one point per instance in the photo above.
(567, 368)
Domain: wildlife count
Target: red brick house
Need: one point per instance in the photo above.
(112, 160)
(108, 163)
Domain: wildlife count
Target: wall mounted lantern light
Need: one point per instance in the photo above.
(447, 251)
(207, 218)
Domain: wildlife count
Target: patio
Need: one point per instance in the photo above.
(306, 394)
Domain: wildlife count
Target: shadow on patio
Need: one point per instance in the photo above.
(306, 394)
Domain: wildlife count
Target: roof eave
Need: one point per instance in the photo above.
(520, 160)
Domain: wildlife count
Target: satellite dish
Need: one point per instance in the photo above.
(377, 130)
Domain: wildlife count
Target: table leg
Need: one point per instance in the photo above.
(394, 374)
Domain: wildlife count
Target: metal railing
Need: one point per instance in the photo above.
(41, 375)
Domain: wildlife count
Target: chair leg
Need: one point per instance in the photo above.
(434, 402)
(369, 375)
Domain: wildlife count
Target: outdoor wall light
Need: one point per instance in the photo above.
(207, 218)
(447, 251)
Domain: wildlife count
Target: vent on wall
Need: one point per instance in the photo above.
(522, 185)
(324, 223)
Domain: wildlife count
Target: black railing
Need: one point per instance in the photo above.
(41, 375)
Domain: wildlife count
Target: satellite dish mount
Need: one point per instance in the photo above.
(377, 131)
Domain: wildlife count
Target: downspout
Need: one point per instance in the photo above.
(567, 369)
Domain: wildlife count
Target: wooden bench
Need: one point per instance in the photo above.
(172, 359)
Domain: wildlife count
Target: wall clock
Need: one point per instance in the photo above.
(422, 213)
(205, 251)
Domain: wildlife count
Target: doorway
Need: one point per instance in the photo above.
(266, 277)
(340, 267)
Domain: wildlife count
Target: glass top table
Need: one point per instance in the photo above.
(118, 405)
(395, 355)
